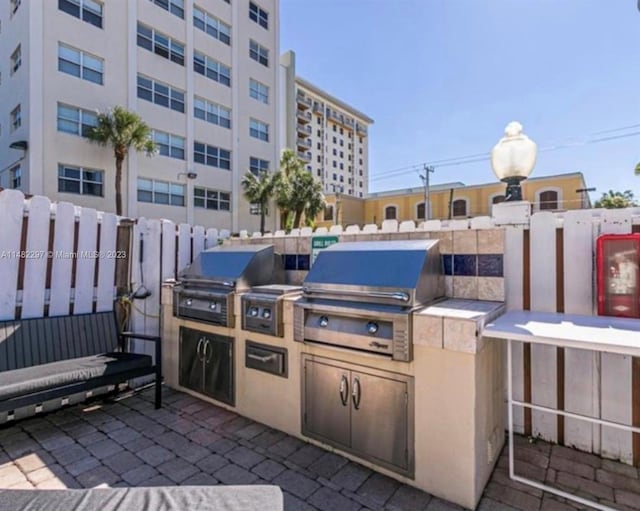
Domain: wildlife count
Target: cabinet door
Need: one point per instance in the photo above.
(326, 411)
(191, 365)
(218, 368)
(379, 419)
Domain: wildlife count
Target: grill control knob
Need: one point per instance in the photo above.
(189, 301)
(324, 321)
(266, 313)
(372, 327)
(253, 311)
(212, 306)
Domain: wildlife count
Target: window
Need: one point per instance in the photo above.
(211, 112)
(419, 209)
(390, 213)
(335, 129)
(335, 176)
(16, 60)
(211, 68)
(328, 213)
(15, 118)
(212, 156)
(211, 25)
(259, 91)
(75, 120)
(459, 207)
(80, 180)
(335, 165)
(334, 139)
(548, 200)
(175, 7)
(319, 133)
(259, 130)
(335, 151)
(256, 165)
(80, 64)
(168, 144)
(15, 4)
(160, 93)
(342, 179)
(260, 16)
(160, 44)
(15, 176)
(341, 154)
(497, 199)
(160, 192)
(259, 53)
(86, 10)
(211, 199)
(319, 157)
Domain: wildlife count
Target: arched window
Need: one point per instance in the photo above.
(497, 199)
(328, 212)
(460, 207)
(548, 200)
(420, 211)
(390, 213)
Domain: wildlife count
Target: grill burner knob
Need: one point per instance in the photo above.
(324, 321)
(253, 311)
(212, 306)
(372, 327)
(266, 313)
(189, 301)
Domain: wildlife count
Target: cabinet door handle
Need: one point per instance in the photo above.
(199, 348)
(356, 393)
(344, 390)
(207, 344)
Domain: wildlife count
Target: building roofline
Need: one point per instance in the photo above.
(317, 90)
(457, 184)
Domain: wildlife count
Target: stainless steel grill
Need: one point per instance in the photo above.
(361, 295)
(207, 287)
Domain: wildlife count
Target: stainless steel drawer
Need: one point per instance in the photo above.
(270, 359)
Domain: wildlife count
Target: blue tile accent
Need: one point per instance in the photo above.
(290, 261)
(490, 265)
(465, 264)
(447, 264)
(304, 260)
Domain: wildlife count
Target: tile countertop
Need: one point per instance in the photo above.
(455, 324)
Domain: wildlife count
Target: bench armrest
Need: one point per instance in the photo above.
(143, 337)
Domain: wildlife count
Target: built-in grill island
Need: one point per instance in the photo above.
(207, 287)
(361, 295)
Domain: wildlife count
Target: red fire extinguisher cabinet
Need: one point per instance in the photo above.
(618, 263)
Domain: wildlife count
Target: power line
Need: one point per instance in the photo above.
(479, 157)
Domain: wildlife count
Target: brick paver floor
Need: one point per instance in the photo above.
(190, 442)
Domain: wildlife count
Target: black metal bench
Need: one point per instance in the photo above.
(50, 358)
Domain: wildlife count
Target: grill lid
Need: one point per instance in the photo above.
(235, 267)
(405, 273)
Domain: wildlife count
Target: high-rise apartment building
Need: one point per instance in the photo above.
(330, 136)
(203, 74)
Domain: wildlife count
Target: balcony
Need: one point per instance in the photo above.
(318, 109)
(304, 102)
(361, 129)
(349, 123)
(334, 116)
(304, 143)
(304, 130)
(303, 116)
(305, 156)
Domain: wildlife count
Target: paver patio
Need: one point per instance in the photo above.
(191, 442)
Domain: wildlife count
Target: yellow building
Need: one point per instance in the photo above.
(455, 200)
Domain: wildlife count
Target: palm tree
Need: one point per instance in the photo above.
(290, 165)
(259, 190)
(616, 200)
(307, 198)
(122, 129)
(638, 169)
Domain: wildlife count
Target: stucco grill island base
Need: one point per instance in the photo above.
(447, 398)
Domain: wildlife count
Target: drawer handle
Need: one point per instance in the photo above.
(264, 360)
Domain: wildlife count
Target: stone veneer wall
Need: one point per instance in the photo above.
(472, 259)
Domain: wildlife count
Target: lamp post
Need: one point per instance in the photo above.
(513, 159)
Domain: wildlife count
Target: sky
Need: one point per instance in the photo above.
(442, 78)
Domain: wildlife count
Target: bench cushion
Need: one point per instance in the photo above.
(184, 498)
(25, 381)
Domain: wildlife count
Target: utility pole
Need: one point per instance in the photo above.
(425, 179)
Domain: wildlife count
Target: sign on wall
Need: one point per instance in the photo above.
(319, 243)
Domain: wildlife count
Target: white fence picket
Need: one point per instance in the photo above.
(107, 262)
(581, 374)
(184, 246)
(85, 265)
(61, 266)
(212, 238)
(168, 270)
(151, 270)
(615, 375)
(12, 210)
(513, 275)
(198, 240)
(136, 319)
(35, 264)
(544, 369)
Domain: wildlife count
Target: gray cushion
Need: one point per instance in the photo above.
(22, 382)
(184, 498)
